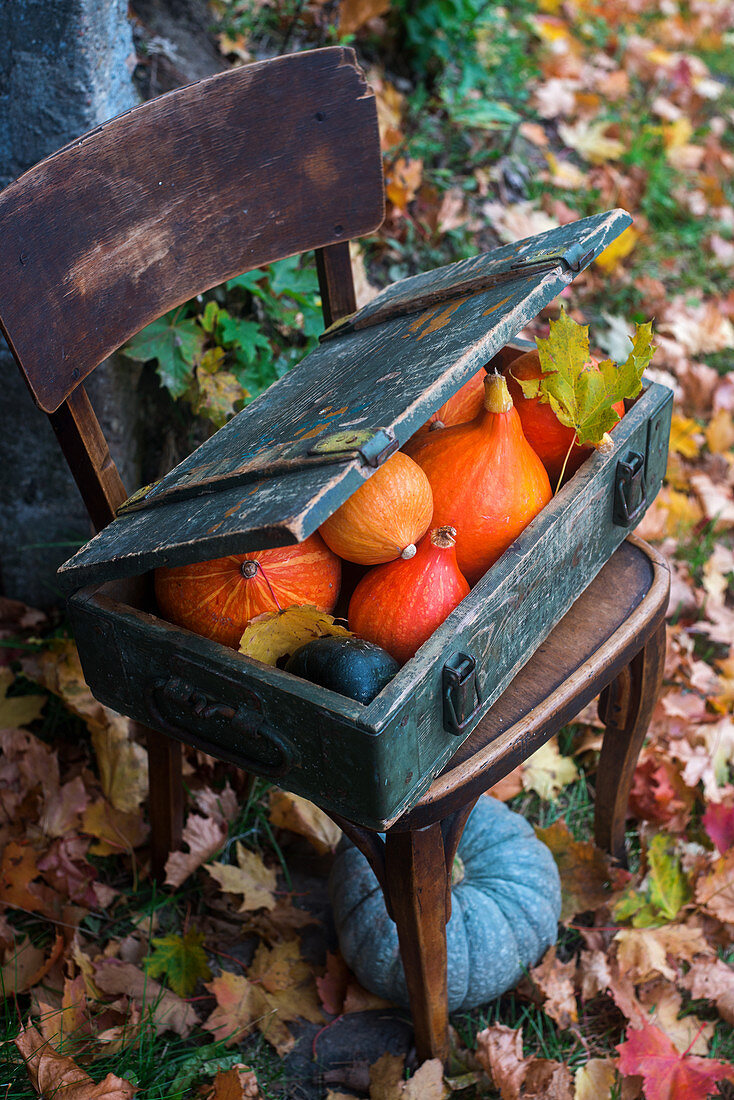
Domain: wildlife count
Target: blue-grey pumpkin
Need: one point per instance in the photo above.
(504, 913)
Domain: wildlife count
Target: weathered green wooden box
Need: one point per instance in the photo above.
(280, 467)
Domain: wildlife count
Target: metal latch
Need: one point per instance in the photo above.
(630, 497)
(461, 700)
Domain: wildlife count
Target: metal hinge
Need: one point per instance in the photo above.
(370, 446)
(572, 259)
(461, 700)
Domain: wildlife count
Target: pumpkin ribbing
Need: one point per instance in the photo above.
(504, 916)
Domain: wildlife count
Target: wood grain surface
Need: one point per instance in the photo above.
(177, 195)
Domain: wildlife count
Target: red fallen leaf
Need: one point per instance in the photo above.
(718, 821)
(660, 795)
(669, 1075)
(333, 986)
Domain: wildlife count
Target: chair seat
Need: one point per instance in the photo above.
(608, 624)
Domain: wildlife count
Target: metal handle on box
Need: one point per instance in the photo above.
(461, 699)
(630, 492)
(195, 707)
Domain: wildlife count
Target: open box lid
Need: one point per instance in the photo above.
(279, 468)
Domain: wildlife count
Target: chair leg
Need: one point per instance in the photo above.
(415, 881)
(165, 801)
(625, 707)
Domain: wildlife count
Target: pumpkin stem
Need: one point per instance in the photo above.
(496, 394)
(457, 871)
(436, 425)
(443, 537)
(409, 552)
(249, 569)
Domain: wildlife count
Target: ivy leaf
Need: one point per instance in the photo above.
(581, 390)
(176, 343)
(246, 336)
(181, 959)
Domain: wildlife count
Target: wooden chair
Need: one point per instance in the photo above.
(176, 196)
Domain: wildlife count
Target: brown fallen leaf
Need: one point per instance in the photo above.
(280, 923)
(20, 966)
(595, 1080)
(54, 1074)
(353, 14)
(712, 980)
(241, 1006)
(547, 1080)
(427, 1083)
(387, 1076)
(204, 836)
(499, 1053)
(63, 809)
(584, 870)
(70, 1021)
(715, 891)
(663, 1004)
(168, 1011)
(555, 982)
(250, 877)
(648, 953)
(18, 869)
(291, 811)
(115, 830)
(237, 1083)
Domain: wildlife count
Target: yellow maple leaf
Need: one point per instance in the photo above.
(595, 1080)
(685, 436)
(720, 432)
(290, 811)
(278, 634)
(609, 260)
(590, 140)
(250, 877)
(20, 709)
(547, 772)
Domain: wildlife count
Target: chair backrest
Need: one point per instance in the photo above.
(168, 200)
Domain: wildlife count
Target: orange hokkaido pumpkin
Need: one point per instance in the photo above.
(399, 605)
(385, 517)
(465, 404)
(487, 480)
(218, 598)
(550, 439)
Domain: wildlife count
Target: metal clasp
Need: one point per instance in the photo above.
(630, 496)
(461, 700)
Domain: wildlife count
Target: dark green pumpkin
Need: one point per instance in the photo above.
(348, 665)
(504, 912)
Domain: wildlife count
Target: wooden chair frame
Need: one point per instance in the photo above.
(175, 197)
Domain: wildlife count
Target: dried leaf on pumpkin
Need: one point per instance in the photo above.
(275, 635)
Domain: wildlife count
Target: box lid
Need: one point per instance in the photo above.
(279, 468)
